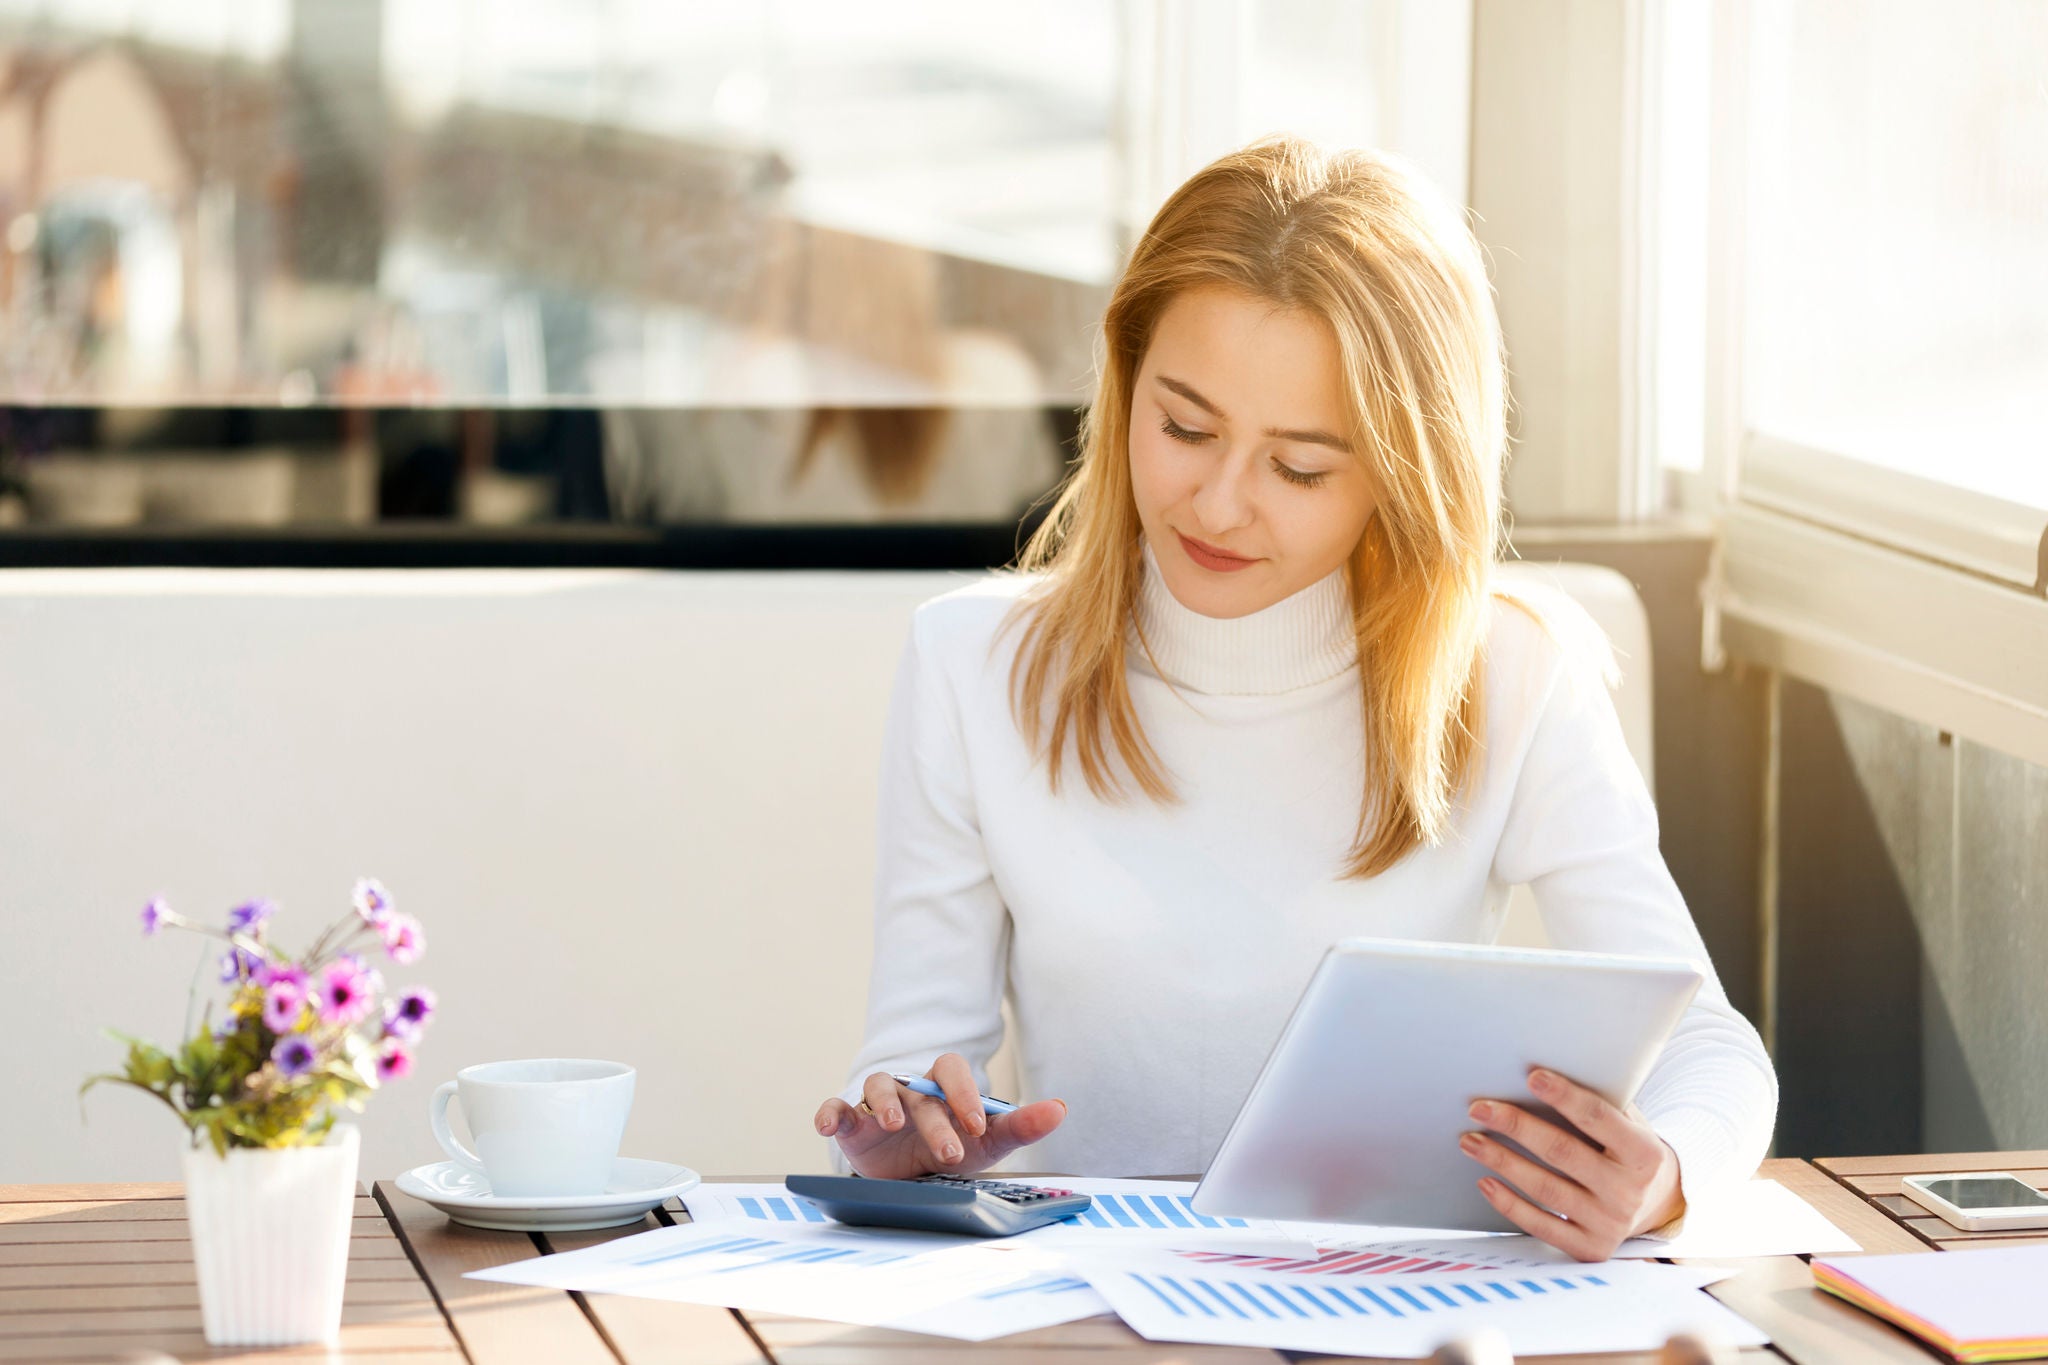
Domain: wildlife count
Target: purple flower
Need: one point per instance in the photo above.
(407, 1016)
(371, 901)
(249, 918)
(403, 939)
(294, 1056)
(346, 992)
(394, 1060)
(284, 996)
(239, 964)
(155, 915)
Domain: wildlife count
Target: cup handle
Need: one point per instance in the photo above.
(437, 1112)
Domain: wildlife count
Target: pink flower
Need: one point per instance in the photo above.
(403, 938)
(371, 901)
(347, 992)
(394, 1060)
(284, 996)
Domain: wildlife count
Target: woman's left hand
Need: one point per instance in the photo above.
(1623, 1182)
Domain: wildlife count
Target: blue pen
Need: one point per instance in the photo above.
(925, 1085)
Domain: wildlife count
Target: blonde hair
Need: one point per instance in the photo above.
(1357, 241)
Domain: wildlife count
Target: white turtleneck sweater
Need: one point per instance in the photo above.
(1154, 952)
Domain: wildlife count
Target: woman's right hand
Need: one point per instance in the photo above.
(898, 1134)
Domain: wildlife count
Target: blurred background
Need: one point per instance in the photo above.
(547, 284)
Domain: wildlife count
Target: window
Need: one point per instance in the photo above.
(1877, 354)
(290, 262)
(1894, 294)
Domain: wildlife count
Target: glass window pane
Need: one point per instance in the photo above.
(1896, 266)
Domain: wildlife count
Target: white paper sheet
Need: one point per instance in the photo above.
(1756, 1218)
(1134, 1212)
(1632, 1307)
(915, 1282)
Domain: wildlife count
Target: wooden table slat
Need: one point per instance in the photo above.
(1931, 1163)
(649, 1331)
(1879, 1185)
(166, 1252)
(153, 1230)
(1985, 1241)
(493, 1321)
(112, 1190)
(99, 1275)
(40, 1298)
(368, 1326)
(179, 1347)
(129, 1211)
(1873, 1230)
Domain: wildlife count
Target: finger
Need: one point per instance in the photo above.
(1545, 1187)
(1592, 1115)
(835, 1116)
(1546, 1142)
(963, 1095)
(1022, 1126)
(862, 1133)
(935, 1125)
(1572, 1240)
(885, 1098)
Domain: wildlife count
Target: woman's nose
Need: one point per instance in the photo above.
(1223, 500)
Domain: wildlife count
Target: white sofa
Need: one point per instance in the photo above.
(634, 810)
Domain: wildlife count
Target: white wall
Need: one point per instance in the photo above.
(600, 792)
(634, 810)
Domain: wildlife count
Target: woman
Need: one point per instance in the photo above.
(1256, 692)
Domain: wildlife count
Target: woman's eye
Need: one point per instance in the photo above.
(1181, 433)
(1306, 478)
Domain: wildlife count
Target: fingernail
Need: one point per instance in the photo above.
(894, 1116)
(978, 1124)
(1063, 1107)
(949, 1153)
(1541, 1080)
(1470, 1142)
(1481, 1110)
(1488, 1186)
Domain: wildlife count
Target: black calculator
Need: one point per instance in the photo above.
(938, 1203)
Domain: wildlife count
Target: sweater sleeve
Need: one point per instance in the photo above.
(942, 932)
(1581, 831)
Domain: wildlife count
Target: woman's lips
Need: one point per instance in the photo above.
(1214, 560)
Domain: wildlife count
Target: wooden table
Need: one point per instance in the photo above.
(104, 1272)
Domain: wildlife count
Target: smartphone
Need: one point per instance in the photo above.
(1980, 1203)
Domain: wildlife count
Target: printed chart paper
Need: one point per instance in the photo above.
(1613, 1307)
(1138, 1212)
(1422, 1256)
(914, 1282)
(1755, 1218)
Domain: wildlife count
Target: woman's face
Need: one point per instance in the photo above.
(1247, 487)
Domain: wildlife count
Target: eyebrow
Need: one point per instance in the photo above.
(1308, 437)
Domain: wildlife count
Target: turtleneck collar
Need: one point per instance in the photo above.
(1299, 641)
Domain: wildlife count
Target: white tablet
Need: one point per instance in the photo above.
(1356, 1116)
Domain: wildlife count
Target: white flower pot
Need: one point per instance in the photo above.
(270, 1237)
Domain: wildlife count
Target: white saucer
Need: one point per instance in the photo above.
(465, 1196)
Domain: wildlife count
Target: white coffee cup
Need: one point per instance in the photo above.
(549, 1126)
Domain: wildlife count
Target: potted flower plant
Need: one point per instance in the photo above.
(269, 1178)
